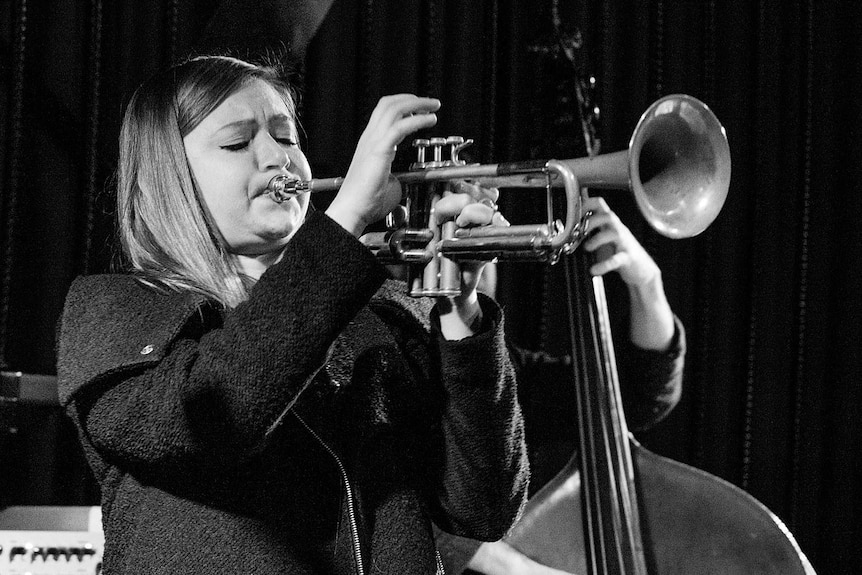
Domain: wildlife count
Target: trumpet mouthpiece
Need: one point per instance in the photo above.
(281, 188)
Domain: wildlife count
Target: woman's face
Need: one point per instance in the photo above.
(233, 154)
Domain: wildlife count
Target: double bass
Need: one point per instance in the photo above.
(616, 508)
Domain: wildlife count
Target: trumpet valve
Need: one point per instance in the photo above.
(436, 145)
(421, 145)
(436, 153)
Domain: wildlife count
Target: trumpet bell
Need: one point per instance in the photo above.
(679, 165)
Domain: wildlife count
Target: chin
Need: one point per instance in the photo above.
(282, 220)
(279, 234)
(262, 244)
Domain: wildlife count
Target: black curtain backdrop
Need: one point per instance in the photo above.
(770, 293)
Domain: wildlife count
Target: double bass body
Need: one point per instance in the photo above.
(692, 523)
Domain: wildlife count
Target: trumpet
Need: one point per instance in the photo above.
(677, 167)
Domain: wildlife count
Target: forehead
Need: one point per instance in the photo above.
(256, 100)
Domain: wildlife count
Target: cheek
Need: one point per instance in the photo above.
(225, 204)
(304, 201)
(210, 178)
(299, 164)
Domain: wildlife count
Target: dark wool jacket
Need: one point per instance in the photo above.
(276, 437)
(651, 384)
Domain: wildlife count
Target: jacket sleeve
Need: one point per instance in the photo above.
(650, 384)
(485, 471)
(651, 381)
(147, 391)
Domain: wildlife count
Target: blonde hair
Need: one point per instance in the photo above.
(167, 237)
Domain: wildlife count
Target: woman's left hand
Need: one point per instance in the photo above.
(469, 206)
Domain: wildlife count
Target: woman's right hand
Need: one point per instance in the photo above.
(369, 190)
(500, 558)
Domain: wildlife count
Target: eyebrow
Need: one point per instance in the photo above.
(277, 120)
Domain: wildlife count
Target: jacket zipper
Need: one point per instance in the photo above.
(351, 500)
(351, 510)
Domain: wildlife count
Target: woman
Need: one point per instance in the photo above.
(254, 395)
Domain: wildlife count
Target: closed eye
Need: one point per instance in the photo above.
(236, 147)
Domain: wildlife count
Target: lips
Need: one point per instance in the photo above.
(263, 191)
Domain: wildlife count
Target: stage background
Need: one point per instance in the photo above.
(770, 294)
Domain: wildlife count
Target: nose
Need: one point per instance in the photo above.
(271, 154)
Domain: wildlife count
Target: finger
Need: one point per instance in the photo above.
(409, 124)
(488, 202)
(398, 115)
(613, 263)
(451, 205)
(469, 188)
(596, 203)
(399, 105)
(597, 221)
(493, 194)
(499, 220)
(392, 109)
(475, 214)
(466, 211)
(602, 236)
(481, 194)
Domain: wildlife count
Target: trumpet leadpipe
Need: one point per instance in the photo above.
(524, 174)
